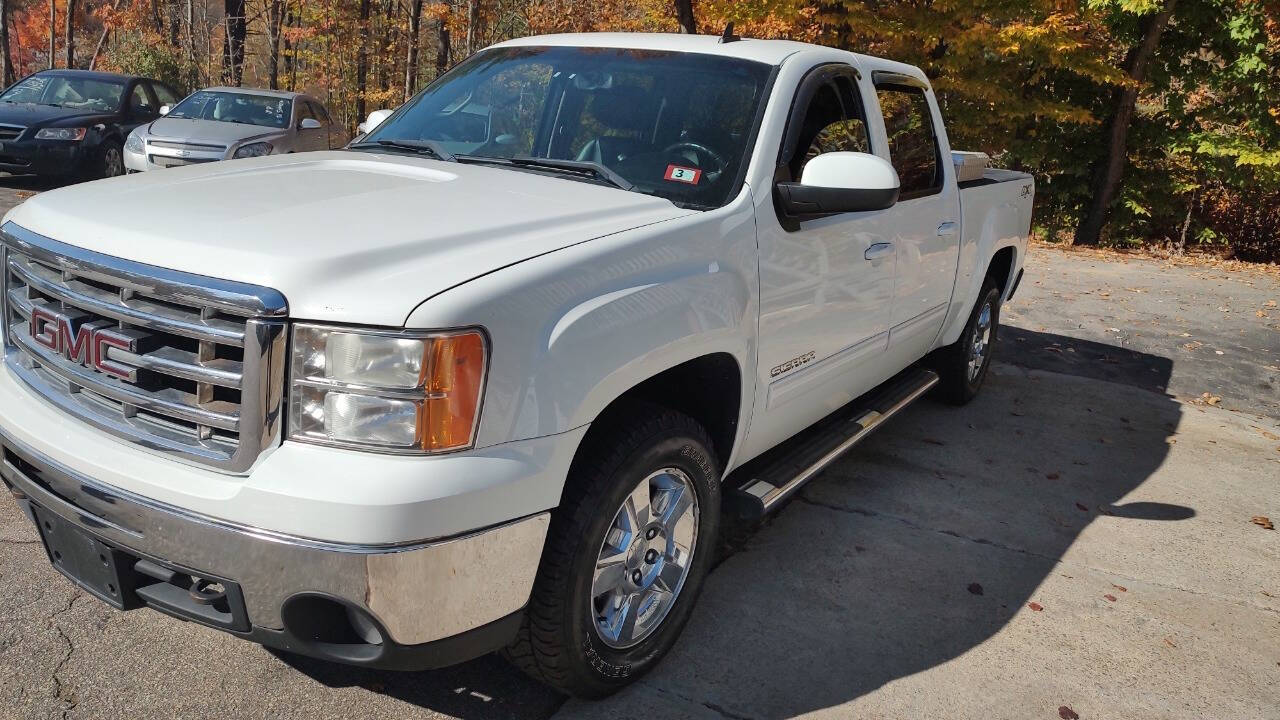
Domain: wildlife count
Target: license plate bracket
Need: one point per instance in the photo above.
(99, 569)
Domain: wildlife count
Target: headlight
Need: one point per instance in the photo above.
(386, 390)
(257, 149)
(61, 133)
(134, 144)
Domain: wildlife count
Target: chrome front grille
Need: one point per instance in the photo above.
(173, 145)
(10, 132)
(202, 378)
(168, 162)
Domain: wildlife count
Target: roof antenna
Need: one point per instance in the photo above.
(728, 36)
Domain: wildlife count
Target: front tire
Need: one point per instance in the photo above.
(626, 554)
(963, 366)
(110, 160)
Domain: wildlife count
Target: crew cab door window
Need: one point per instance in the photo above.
(913, 142)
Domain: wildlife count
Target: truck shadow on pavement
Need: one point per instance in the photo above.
(916, 548)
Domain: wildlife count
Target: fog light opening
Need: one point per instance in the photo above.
(363, 626)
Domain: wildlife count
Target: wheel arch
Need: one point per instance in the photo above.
(707, 388)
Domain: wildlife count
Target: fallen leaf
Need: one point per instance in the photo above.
(932, 441)
(1169, 641)
(1110, 597)
(1271, 303)
(1263, 522)
(859, 548)
(1082, 508)
(975, 589)
(1121, 588)
(1104, 510)
(1067, 713)
(1269, 436)
(1035, 606)
(1052, 476)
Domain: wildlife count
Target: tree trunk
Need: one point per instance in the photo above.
(71, 33)
(684, 16)
(233, 46)
(6, 58)
(53, 31)
(473, 22)
(1110, 168)
(442, 45)
(275, 16)
(290, 66)
(175, 22)
(411, 59)
(362, 59)
(102, 40)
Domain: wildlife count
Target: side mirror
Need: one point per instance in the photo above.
(164, 109)
(840, 182)
(375, 119)
(309, 124)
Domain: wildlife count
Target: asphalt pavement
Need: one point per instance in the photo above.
(1077, 541)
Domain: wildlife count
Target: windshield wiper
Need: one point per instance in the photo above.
(576, 167)
(430, 146)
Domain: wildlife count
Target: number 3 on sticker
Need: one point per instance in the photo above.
(675, 173)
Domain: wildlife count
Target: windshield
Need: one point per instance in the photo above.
(63, 91)
(234, 107)
(675, 125)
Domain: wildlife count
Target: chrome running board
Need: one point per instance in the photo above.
(762, 485)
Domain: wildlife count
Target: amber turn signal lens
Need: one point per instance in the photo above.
(453, 384)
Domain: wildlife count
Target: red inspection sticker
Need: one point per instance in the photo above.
(675, 173)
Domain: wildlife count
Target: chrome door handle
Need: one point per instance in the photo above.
(947, 229)
(879, 250)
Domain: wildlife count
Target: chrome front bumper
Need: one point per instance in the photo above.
(417, 593)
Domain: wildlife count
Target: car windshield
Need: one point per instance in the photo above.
(67, 91)
(234, 107)
(675, 125)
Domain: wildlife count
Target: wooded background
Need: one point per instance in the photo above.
(1146, 122)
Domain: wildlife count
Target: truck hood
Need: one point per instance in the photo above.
(346, 236)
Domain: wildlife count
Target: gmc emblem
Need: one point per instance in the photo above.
(83, 341)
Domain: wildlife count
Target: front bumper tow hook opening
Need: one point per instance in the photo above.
(207, 592)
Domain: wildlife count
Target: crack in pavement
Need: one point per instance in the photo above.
(7, 541)
(69, 704)
(802, 497)
(713, 707)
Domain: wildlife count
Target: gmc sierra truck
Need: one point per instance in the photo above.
(493, 376)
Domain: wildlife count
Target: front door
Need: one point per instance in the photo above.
(826, 284)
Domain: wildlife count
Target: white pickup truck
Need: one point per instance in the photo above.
(495, 376)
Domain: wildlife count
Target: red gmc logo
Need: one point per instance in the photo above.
(82, 341)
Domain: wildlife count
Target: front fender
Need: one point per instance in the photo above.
(573, 330)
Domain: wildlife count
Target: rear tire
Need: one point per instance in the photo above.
(611, 596)
(963, 365)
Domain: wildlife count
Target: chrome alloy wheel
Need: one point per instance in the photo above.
(645, 558)
(981, 343)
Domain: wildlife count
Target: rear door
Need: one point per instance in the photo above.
(926, 220)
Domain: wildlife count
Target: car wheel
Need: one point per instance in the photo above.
(625, 557)
(111, 163)
(963, 366)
